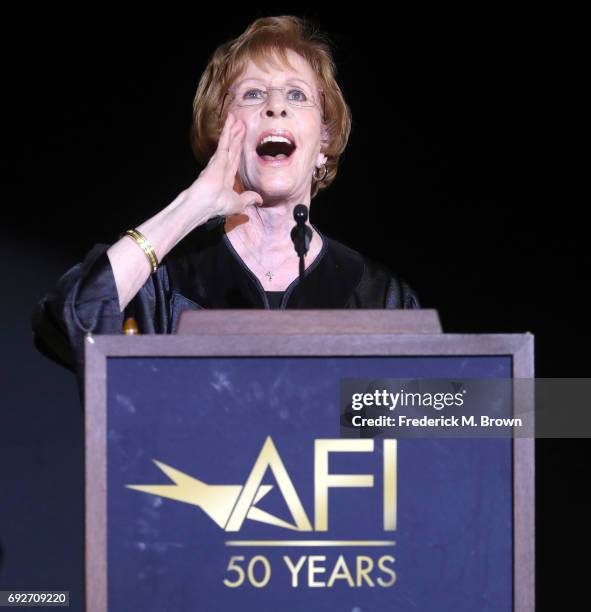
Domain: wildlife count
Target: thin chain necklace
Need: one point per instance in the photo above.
(268, 273)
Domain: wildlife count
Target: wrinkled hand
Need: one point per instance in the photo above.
(214, 188)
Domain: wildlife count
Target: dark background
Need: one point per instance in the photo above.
(459, 176)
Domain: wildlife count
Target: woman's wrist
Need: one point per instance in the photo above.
(168, 227)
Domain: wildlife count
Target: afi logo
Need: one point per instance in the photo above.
(230, 505)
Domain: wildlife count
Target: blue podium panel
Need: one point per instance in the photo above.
(229, 488)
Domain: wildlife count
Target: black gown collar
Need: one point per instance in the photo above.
(288, 291)
(206, 269)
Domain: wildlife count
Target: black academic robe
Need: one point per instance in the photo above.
(202, 271)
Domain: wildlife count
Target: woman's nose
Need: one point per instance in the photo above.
(276, 103)
(270, 113)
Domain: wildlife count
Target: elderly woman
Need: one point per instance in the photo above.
(270, 121)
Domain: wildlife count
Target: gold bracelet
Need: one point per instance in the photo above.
(146, 247)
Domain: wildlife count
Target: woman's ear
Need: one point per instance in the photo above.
(324, 137)
(324, 142)
(321, 160)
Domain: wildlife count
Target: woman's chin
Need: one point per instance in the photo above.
(275, 184)
(275, 189)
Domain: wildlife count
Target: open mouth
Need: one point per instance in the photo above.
(275, 148)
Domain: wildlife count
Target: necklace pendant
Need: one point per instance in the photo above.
(269, 275)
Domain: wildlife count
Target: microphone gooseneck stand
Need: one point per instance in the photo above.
(301, 235)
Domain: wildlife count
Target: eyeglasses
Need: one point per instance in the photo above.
(298, 97)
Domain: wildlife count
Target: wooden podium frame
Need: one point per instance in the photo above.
(320, 333)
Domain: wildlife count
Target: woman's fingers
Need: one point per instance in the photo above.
(224, 140)
(221, 152)
(235, 151)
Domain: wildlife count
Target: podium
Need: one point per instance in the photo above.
(218, 476)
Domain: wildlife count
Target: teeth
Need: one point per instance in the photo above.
(274, 139)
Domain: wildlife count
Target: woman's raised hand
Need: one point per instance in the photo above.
(211, 195)
(214, 187)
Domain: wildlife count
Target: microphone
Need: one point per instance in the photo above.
(301, 235)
